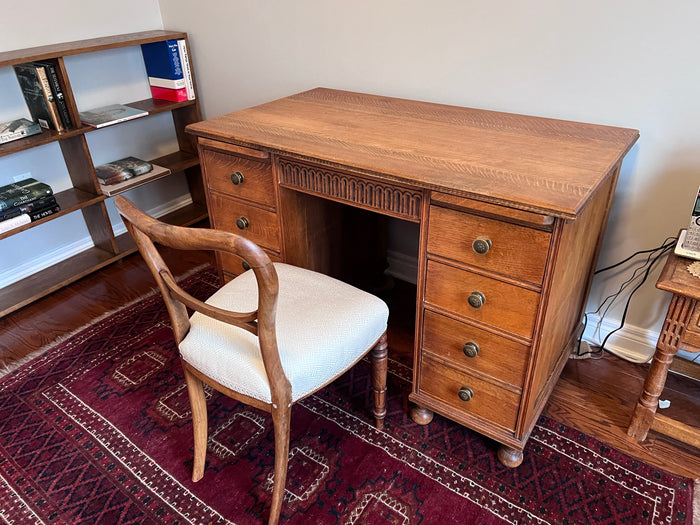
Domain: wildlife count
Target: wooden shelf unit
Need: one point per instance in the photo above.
(85, 195)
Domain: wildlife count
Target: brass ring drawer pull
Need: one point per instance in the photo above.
(476, 299)
(470, 349)
(465, 393)
(237, 178)
(242, 223)
(481, 245)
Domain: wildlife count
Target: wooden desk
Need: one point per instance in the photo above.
(511, 209)
(681, 329)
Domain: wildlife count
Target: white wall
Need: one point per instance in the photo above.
(630, 63)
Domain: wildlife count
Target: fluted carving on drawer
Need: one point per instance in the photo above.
(400, 202)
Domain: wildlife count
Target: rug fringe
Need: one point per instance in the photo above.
(696, 503)
(8, 369)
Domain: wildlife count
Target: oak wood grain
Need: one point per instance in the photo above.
(449, 288)
(556, 165)
(516, 251)
(255, 183)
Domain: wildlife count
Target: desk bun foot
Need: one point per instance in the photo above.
(510, 457)
(421, 416)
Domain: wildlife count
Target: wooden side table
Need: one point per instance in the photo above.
(681, 329)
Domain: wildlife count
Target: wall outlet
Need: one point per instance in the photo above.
(22, 176)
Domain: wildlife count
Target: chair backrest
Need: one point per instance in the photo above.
(147, 231)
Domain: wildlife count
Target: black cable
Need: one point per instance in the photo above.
(624, 285)
(668, 243)
(624, 314)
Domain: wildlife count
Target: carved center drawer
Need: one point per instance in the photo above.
(469, 394)
(256, 224)
(239, 177)
(500, 247)
(474, 349)
(482, 299)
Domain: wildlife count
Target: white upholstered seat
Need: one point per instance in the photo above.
(323, 327)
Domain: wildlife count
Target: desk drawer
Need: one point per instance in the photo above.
(496, 356)
(262, 228)
(252, 179)
(515, 251)
(233, 264)
(506, 306)
(489, 402)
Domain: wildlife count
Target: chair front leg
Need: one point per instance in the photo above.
(281, 417)
(379, 354)
(198, 403)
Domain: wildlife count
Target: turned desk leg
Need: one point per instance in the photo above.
(421, 416)
(510, 457)
(677, 318)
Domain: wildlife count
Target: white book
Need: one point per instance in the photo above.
(14, 222)
(186, 72)
(168, 83)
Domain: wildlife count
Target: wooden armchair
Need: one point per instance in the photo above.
(270, 337)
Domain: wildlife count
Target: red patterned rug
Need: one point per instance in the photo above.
(97, 430)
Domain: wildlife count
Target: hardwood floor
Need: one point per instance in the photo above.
(595, 396)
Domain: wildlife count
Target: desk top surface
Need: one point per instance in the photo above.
(532, 163)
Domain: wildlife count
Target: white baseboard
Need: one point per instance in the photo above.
(630, 342)
(47, 259)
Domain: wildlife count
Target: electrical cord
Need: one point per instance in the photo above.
(652, 258)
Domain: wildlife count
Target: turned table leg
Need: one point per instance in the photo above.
(677, 318)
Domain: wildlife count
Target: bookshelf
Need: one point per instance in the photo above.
(85, 195)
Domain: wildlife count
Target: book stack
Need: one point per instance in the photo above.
(18, 129)
(116, 176)
(25, 201)
(121, 170)
(43, 94)
(168, 69)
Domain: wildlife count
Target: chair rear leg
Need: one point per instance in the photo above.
(281, 420)
(379, 354)
(198, 403)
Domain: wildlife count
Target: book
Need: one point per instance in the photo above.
(166, 83)
(108, 115)
(15, 194)
(116, 188)
(33, 89)
(174, 95)
(41, 213)
(25, 218)
(17, 129)
(28, 207)
(14, 222)
(186, 72)
(121, 170)
(57, 91)
(162, 61)
(48, 95)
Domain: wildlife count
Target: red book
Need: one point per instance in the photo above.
(176, 95)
